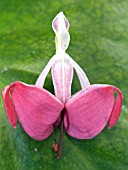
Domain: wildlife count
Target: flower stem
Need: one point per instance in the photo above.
(61, 135)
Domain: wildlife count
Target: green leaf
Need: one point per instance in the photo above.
(99, 43)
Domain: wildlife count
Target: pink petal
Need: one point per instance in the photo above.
(116, 109)
(89, 111)
(36, 109)
(8, 105)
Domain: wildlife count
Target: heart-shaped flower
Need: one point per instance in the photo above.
(83, 115)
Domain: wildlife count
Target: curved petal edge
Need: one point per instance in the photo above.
(36, 109)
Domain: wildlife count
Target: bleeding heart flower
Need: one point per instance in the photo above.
(83, 115)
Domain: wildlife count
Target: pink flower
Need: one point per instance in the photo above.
(83, 115)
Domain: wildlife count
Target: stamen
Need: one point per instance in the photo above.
(61, 135)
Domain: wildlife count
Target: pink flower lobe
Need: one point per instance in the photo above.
(36, 109)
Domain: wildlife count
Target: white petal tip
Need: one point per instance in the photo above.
(60, 22)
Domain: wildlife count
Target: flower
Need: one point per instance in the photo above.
(83, 115)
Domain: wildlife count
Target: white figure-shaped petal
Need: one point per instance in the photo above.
(61, 63)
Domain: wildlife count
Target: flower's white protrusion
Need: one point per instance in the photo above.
(80, 73)
(60, 26)
(59, 23)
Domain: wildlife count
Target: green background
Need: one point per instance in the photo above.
(99, 44)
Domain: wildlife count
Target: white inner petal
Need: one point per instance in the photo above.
(41, 79)
(80, 73)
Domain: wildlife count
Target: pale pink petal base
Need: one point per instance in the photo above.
(89, 111)
(62, 74)
(36, 109)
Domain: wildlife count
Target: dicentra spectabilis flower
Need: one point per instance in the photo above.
(83, 115)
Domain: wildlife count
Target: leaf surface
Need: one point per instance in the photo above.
(99, 41)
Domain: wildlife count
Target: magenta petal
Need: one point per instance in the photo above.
(89, 111)
(8, 105)
(116, 109)
(36, 109)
